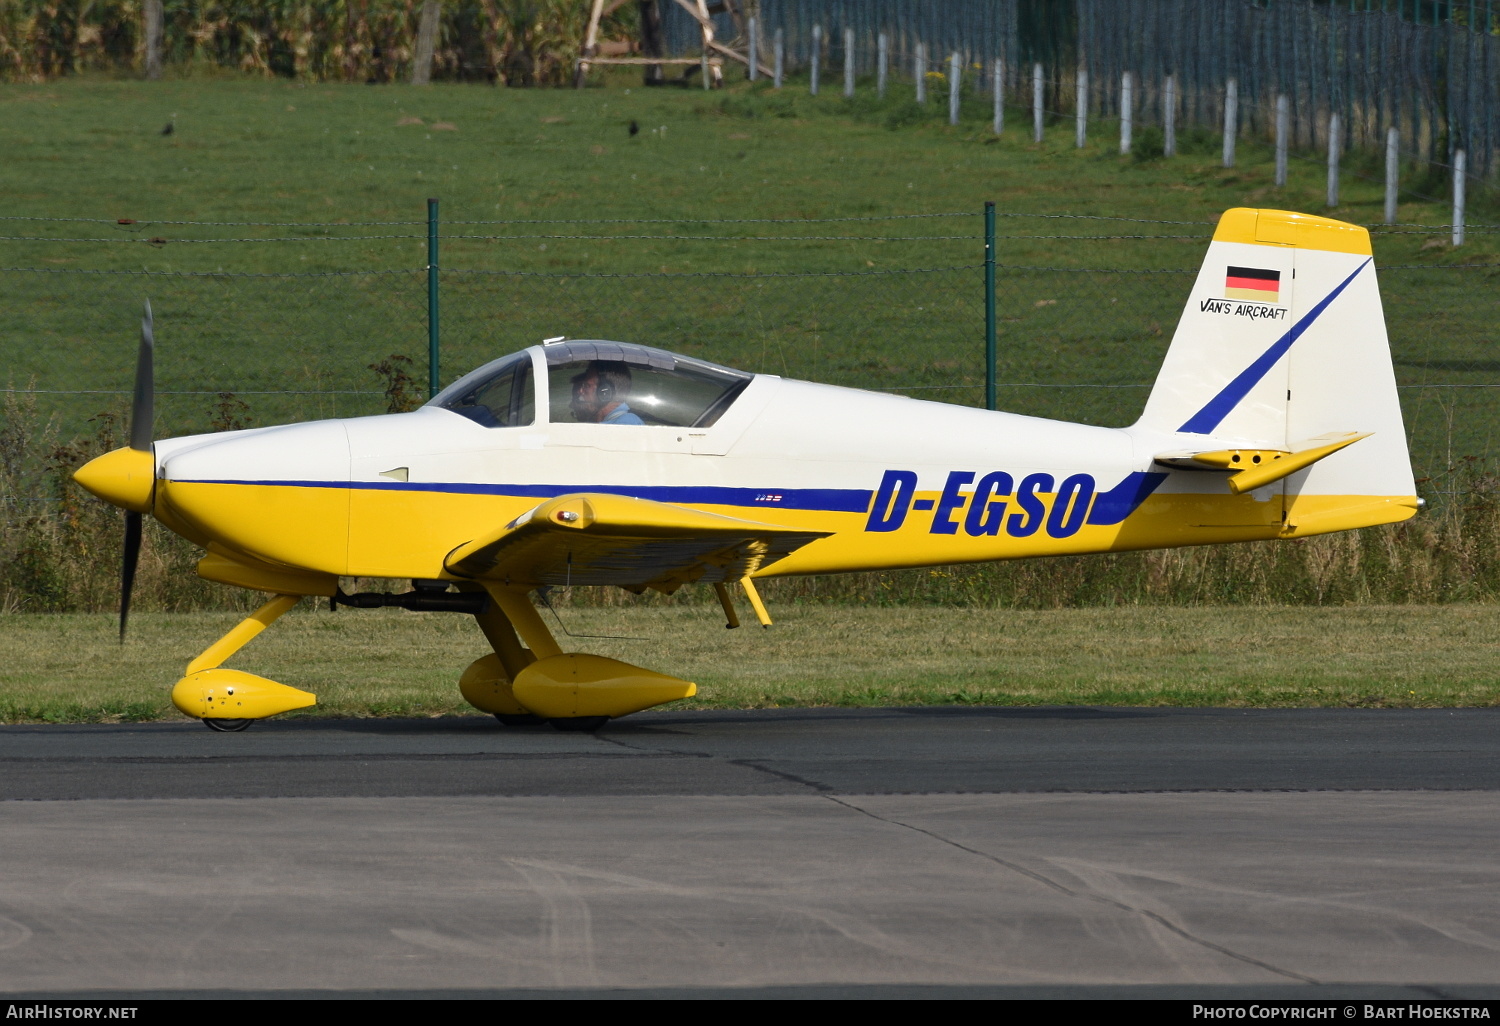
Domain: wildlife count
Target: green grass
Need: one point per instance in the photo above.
(257, 150)
(69, 668)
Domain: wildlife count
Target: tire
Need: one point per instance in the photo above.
(226, 726)
(520, 719)
(580, 723)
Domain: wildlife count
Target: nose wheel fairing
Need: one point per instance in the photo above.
(220, 696)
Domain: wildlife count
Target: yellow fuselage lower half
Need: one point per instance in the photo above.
(374, 532)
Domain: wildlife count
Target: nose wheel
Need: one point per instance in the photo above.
(226, 726)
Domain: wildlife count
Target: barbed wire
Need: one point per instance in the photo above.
(213, 391)
(722, 238)
(159, 241)
(128, 222)
(214, 274)
(1301, 157)
(710, 274)
(722, 220)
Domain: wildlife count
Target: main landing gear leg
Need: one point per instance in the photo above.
(230, 700)
(571, 691)
(486, 684)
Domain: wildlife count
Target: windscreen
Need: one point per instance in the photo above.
(499, 394)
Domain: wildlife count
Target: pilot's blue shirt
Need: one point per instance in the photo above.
(621, 415)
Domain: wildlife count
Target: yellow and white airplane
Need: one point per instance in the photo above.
(1275, 415)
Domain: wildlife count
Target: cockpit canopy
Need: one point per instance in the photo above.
(628, 384)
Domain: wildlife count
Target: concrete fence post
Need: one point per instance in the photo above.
(1334, 129)
(1081, 103)
(919, 69)
(1231, 119)
(1392, 172)
(1036, 103)
(848, 63)
(955, 77)
(778, 51)
(754, 53)
(882, 64)
(1283, 132)
(1169, 117)
(1460, 174)
(817, 54)
(997, 85)
(1127, 102)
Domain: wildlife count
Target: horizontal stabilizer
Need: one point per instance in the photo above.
(1254, 468)
(598, 538)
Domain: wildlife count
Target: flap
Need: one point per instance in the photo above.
(597, 538)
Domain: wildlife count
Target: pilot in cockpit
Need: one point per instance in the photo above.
(600, 394)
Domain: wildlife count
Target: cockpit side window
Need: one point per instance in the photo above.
(497, 395)
(623, 384)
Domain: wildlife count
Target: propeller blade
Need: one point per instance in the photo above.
(142, 407)
(142, 413)
(127, 571)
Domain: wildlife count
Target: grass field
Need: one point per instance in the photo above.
(256, 150)
(267, 151)
(390, 663)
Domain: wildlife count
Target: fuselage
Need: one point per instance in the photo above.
(897, 482)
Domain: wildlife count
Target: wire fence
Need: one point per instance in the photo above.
(1430, 69)
(1080, 336)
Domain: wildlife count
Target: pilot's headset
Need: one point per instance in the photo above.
(605, 391)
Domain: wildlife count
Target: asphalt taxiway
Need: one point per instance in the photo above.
(924, 852)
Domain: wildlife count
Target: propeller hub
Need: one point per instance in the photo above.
(124, 478)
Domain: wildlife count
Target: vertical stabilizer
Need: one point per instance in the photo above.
(1283, 341)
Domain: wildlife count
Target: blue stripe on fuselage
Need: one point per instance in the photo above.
(1109, 508)
(1113, 506)
(823, 500)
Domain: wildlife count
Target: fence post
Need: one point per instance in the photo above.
(920, 67)
(989, 305)
(849, 62)
(1333, 160)
(997, 82)
(153, 16)
(1036, 102)
(779, 53)
(954, 78)
(703, 65)
(1169, 117)
(1127, 100)
(1392, 172)
(1283, 131)
(1231, 119)
(754, 53)
(1081, 128)
(817, 53)
(1460, 168)
(432, 298)
(882, 64)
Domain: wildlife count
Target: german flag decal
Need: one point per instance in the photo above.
(1253, 283)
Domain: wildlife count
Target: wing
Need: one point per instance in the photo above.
(597, 538)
